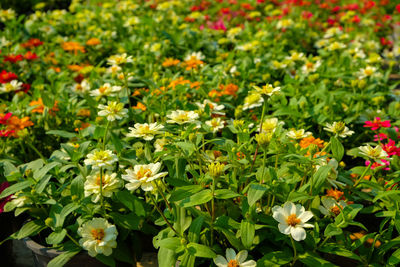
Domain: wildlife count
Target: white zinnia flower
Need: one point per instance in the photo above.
(268, 90)
(338, 128)
(214, 107)
(331, 207)
(113, 111)
(81, 88)
(375, 153)
(119, 59)
(292, 220)
(159, 144)
(101, 159)
(366, 72)
(298, 134)
(143, 175)
(145, 130)
(194, 56)
(181, 116)
(14, 85)
(98, 237)
(216, 124)
(110, 184)
(310, 67)
(233, 260)
(106, 90)
(270, 124)
(253, 100)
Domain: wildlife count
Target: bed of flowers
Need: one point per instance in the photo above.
(227, 133)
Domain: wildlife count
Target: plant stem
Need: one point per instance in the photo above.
(72, 239)
(363, 174)
(294, 251)
(105, 135)
(212, 211)
(163, 196)
(101, 189)
(162, 215)
(37, 151)
(261, 123)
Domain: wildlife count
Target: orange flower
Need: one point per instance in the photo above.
(93, 41)
(369, 241)
(56, 69)
(195, 85)
(50, 59)
(168, 62)
(83, 112)
(39, 106)
(140, 106)
(16, 124)
(240, 155)
(179, 81)
(192, 63)
(83, 125)
(336, 194)
(73, 46)
(307, 141)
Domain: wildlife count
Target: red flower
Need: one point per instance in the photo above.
(377, 123)
(3, 201)
(25, 87)
(6, 77)
(356, 19)
(13, 58)
(398, 8)
(6, 133)
(391, 148)
(33, 42)
(30, 56)
(4, 118)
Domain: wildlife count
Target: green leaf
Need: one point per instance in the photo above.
(395, 258)
(30, 228)
(10, 171)
(172, 243)
(63, 258)
(132, 202)
(15, 188)
(184, 192)
(225, 194)
(187, 147)
(166, 257)
(62, 133)
(65, 212)
(40, 173)
(201, 251)
(256, 191)
(386, 194)
(332, 230)
(247, 233)
(41, 185)
(297, 196)
(336, 250)
(195, 229)
(107, 260)
(319, 178)
(197, 199)
(275, 259)
(187, 260)
(129, 221)
(311, 259)
(56, 238)
(337, 148)
(77, 187)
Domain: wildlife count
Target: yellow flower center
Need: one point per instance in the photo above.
(98, 234)
(214, 123)
(102, 89)
(143, 173)
(103, 181)
(233, 263)
(101, 156)
(182, 117)
(292, 220)
(145, 129)
(368, 72)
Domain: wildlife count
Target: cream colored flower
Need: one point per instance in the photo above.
(181, 117)
(110, 185)
(310, 67)
(159, 144)
(98, 237)
(331, 207)
(298, 134)
(101, 159)
(145, 130)
(216, 124)
(114, 69)
(268, 90)
(253, 100)
(270, 124)
(375, 153)
(113, 111)
(338, 128)
(11, 86)
(119, 59)
(143, 175)
(366, 72)
(82, 87)
(194, 56)
(234, 260)
(106, 90)
(214, 107)
(292, 220)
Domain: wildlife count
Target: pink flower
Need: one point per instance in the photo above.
(380, 137)
(377, 123)
(376, 164)
(391, 148)
(4, 201)
(4, 119)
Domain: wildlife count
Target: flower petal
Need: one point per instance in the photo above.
(298, 233)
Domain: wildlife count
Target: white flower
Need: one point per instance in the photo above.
(106, 90)
(233, 260)
(14, 85)
(81, 88)
(143, 175)
(145, 130)
(268, 90)
(295, 56)
(310, 67)
(159, 144)
(110, 184)
(214, 107)
(253, 100)
(113, 111)
(366, 72)
(216, 124)
(98, 237)
(270, 124)
(114, 69)
(119, 59)
(330, 206)
(336, 46)
(375, 153)
(338, 128)
(194, 56)
(182, 116)
(298, 134)
(101, 159)
(292, 220)
(284, 23)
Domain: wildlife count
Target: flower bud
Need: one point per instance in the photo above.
(216, 169)
(263, 139)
